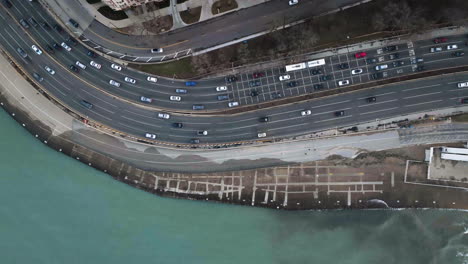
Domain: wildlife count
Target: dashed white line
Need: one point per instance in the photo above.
(367, 113)
(424, 103)
(419, 95)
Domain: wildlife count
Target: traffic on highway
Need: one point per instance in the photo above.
(125, 99)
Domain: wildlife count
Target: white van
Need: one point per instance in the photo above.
(81, 65)
(381, 67)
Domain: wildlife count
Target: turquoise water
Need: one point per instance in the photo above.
(54, 209)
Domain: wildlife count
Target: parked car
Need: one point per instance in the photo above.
(223, 97)
(398, 63)
(417, 60)
(284, 77)
(458, 54)
(324, 78)
(318, 86)
(232, 104)
(343, 82)
(258, 74)
(453, 46)
(221, 88)
(360, 55)
(390, 48)
(394, 56)
(436, 49)
(316, 71)
(381, 67)
(343, 66)
(371, 60)
(254, 83)
(293, 83)
(254, 93)
(356, 71)
(230, 78)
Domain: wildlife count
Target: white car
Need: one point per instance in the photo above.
(164, 115)
(284, 77)
(174, 98)
(116, 67)
(81, 65)
(146, 99)
(344, 82)
(95, 65)
(261, 135)
(149, 135)
(450, 47)
(114, 83)
(36, 49)
(306, 112)
(232, 104)
(463, 84)
(202, 133)
(221, 88)
(151, 79)
(293, 2)
(49, 70)
(381, 67)
(65, 46)
(157, 50)
(130, 80)
(356, 71)
(436, 49)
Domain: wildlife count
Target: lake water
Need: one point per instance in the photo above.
(54, 209)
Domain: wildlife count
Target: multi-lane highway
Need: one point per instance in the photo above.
(391, 100)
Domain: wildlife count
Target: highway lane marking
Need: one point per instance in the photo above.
(459, 89)
(457, 82)
(419, 95)
(53, 86)
(9, 44)
(422, 87)
(330, 104)
(133, 128)
(382, 102)
(336, 118)
(330, 111)
(236, 128)
(143, 123)
(97, 98)
(278, 128)
(367, 113)
(236, 135)
(424, 103)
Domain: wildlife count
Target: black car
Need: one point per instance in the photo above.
(254, 93)
(231, 79)
(371, 99)
(263, 119)
(377, 75)
(390, 48)
(194, 141)
(371, 60)
(44, 25)
(32, 21)
(74, 23)
(177, 125)
(73, 68)
(324, 78)
(343, 66)
(58, 28)
(293, 83)
(71, 41)
(398, 63)
(394, 56)
(254, 83)
(91, 54)
(316, 71)
(318, 86)
(56, 46)
(339, 113)
(24, 23)
(276, 95)
(458, 54)
(49, 49)
(7, 3)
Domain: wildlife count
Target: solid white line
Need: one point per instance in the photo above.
(330, 104)
(336, 118)
(366, 113)
(271, 129)
(424, 103)
(422, 87)
(371, 104)
(408, 97)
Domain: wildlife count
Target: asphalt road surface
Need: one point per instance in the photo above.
(391, 100)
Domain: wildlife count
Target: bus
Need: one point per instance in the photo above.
(294, 67)
(316, 63)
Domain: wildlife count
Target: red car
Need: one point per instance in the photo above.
(258, 74)
(440, 40)
(360, 55)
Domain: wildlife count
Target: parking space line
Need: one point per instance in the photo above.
(303, 82)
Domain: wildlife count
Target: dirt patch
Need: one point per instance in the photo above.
(222, 6)
(111, 14)
(191, 15)
(460, 118)
(159, 24)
